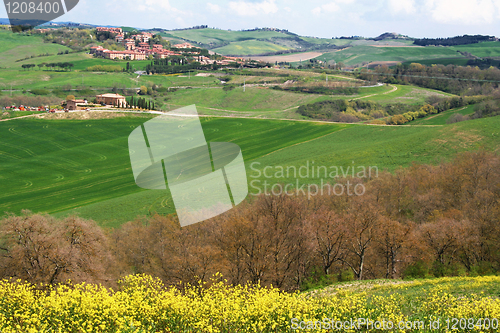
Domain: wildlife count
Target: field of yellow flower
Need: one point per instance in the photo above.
(144, 304)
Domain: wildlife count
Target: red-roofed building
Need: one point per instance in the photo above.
(114, 30)
(143, 37)
(129, 44)
(112, 99)
(119, 38)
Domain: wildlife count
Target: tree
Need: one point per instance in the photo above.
(329, 233)
(41, 249)
(361, 222)
(70, 97)
(143, 90)
(391, 237)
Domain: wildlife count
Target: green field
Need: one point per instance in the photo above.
(359, 54)
(216, 36)
(32, 79)
(17, 46)
(249, 47)
(441, 118)
(81, 61)
(55, 165)
(484, 49)
(261, 99)
(403, 94)
(440, 61)
(60, 165)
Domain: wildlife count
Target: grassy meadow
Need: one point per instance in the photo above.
(82, 166)
(366, 53)
(214, 36)
(484, 49)
(442, 118)
(17, 46)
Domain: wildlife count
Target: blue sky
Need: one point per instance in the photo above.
(426, 18)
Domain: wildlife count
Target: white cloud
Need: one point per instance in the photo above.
(402, 6)
(243, 8)
(155, 5)
(213, 8)
(326, 8)
(470, 12)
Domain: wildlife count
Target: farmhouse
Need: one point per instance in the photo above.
(76, 104)
(112, 99)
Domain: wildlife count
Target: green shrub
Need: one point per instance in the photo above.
(40, 91)
(417, 270)
(346, 275)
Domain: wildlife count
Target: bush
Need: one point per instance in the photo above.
(457, 118)
(417, 270)
(228, 87)
(40, 91)
(346, 275)
(105, 68)
(398, 120)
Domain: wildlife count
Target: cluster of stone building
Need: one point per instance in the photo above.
(142, 50)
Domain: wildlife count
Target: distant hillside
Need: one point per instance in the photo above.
(390, 35)
(452, 41)
(265, 41)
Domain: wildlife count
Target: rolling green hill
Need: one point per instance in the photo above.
(17, 46)
(70, 166)
(249, 47)
(55, 165)
(365, 53)
(252, 42)
(484, 49)
(216, 36)
(441, 118)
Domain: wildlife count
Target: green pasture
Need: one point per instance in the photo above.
(403, 94)
(364, 53)
(82, 61)
(57, 165)
(440, 61)
(52, 79)
(441, 118)
(19, 46)
(216, 36)
(253, 99)
(484, 49)
(292, 145)
(31, 79)
(249, 47)
(63, 166)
